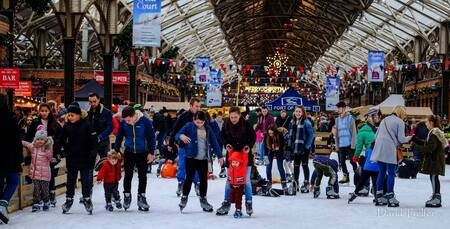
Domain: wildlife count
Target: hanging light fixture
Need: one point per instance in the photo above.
(277, 63)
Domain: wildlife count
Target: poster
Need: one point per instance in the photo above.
(214, 95)
(332, 93)
(119, 78)
(25, 89)
(216, 77)
(202, 71)
(147, 23)
(375, 66)
(9, 77)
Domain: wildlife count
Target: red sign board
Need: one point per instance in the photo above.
(24, 89)
(119, 78)
(9, 77)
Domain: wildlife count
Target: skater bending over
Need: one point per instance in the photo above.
(198, 139)
(325, 166)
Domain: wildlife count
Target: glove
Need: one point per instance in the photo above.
(355, 159)
(266, 160)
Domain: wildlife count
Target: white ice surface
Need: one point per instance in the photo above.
(301, 211)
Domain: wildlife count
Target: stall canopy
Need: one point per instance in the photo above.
(89, 87)
(388, 104)
(169, 105)
(291, 98)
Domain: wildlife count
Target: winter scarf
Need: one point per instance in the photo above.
(297, 130)
(238, 130)
(440, 135)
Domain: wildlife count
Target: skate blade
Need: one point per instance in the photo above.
(143, 209)
(207, 210)
(433, 205)
(393, 205)
(221, 214)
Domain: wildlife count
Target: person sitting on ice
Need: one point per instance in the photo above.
(325, 166)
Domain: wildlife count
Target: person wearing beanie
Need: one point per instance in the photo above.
(78, 140)
(101, 121)
(41, 150)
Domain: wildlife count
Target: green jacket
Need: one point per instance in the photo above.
(364, 138)
(433, 162)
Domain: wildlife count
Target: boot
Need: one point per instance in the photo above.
(249, 207)
(331, 194)
(224, 209)
(36, 207)
(109, 207)
(142, 202)
(434, 202)
(179, 189)
(352, 197)
(126, 200)
(380, 199)
(344, 180)
(205, 205)
(223, 173)
(316, 192)
(304, 188)
(197, 189)
(52, 198)
(88, 205)
(237, 214)
(46, 206)
(392, 201)
(4, 212)
(183, 202)
(67, 205)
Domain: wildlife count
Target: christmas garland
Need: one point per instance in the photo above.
(155, 88)
(421, 91)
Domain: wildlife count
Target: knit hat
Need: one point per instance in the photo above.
(41, 133)
(74, 108)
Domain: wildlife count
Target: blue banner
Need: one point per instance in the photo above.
(376, 66)
(332, 93)
(147, 23)
(214, 95)
(202, 71)
(290, 99)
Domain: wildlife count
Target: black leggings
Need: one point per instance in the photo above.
(435, 184)
(364, 177)
(130, 161)
(301, 159)
(193, 166)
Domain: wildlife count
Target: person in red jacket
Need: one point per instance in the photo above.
(110, 174)
(236, 176)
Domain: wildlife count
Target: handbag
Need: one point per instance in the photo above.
(399, 151)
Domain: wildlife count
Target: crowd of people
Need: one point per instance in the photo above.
(194, 140)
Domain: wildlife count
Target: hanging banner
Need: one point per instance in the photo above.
(213, 95)
(376, 66)
(9, 77)
(147, 23)
(119, 78)
(216, 77)
(332, 93)
(25, 89)
(202, 71)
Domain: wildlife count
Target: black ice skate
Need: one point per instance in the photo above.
(380, 200)
(316, 192)
(249, 207)
(4, 212)
(304, 188)
(35, 207)
(434, 202)
(179, 189)
(223, 173)
(118, 204)
(126, 200)
(331, 194)
(183, 203)
(88, 205)
(52, 199)
(224, 209)
(46, 206)
(352, 197)
(237, 214)
(109, 207)
(67, 205)
(205, 205)
(392, 201)
(142, 202)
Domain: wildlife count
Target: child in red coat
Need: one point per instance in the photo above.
(236, 175)
(110, 174)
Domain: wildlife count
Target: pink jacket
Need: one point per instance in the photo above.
(40, 161)
(259, 136)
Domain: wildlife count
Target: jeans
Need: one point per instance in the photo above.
(86, 181)
(247, 189)
(181, 170)
(390, 170)
(280, 158)
(260, 150)
(12, 181)
(160, 138)
(194, 167)
(130, 161)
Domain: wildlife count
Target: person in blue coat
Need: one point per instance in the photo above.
(197, 140)
(139, 151)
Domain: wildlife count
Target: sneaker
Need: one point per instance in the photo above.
(183, 203)
(224, 209)
(67, 205)
(126, 200)
(205, 205)
(142, 202)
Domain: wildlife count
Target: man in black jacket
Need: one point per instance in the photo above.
(161, 125)
(100, 119)
(185, 117)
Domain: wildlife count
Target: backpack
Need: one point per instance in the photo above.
(408, 168)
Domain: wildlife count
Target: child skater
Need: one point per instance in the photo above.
(236, 176)
(41, 150)
(325, 166)
(110, 174)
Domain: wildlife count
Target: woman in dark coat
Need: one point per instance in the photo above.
(238, 134)
(433, 162)
(11, 157)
